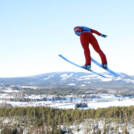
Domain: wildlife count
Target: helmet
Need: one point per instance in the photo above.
(77, 29)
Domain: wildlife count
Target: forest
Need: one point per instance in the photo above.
(46, 120)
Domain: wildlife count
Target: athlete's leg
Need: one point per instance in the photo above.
(96, 47)
(87, 54)
(85, 45)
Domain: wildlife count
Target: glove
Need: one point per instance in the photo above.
(103, 35)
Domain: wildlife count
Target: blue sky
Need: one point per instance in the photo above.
(33, 33)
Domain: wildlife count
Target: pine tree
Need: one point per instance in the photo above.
(6, 130)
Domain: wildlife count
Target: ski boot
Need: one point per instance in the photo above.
(105, 66)
(88, 67)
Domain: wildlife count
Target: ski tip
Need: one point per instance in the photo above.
(60, 55)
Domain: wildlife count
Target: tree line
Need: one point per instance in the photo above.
(50, 119)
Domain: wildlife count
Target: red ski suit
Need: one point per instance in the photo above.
(87, 37)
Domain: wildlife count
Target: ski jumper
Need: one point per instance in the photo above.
(87, 37)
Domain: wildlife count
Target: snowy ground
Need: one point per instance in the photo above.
(69, 101)
(94, 104)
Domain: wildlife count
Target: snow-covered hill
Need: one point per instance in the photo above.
(72, 79)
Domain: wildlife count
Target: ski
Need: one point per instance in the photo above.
(80, 66)
(108, 70)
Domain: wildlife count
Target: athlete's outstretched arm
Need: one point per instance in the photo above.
(96, 32)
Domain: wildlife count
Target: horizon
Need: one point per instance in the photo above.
(86, 72)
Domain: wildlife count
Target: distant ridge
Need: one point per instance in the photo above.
(71, 79)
